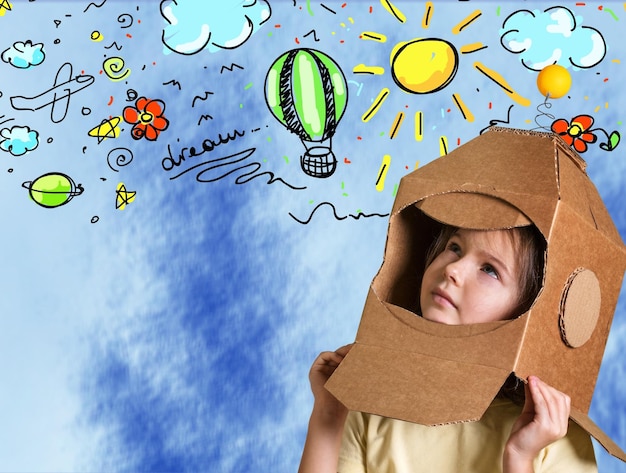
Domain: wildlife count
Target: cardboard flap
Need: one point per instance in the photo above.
(411, 391)
(592, 429)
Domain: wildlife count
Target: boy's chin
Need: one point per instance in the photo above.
(439, 317)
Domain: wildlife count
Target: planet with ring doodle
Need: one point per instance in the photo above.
(53, 189)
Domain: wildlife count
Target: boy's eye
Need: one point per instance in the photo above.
(491, 271)
(454, 247)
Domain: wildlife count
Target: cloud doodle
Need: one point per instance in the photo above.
(24, 55)
(554, 36)
(194, 25)
(18, 140)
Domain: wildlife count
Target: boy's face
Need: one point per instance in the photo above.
(473, 280)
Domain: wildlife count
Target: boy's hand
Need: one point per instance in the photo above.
(543, 421)
(323, 439)
(323, 367)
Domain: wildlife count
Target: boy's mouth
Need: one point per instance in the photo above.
(443, 298)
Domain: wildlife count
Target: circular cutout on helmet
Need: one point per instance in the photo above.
(580, 307)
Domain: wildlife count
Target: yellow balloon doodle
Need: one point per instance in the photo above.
(554, 81)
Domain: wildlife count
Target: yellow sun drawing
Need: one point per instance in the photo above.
(425, 66)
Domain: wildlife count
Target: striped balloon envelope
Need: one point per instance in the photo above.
(307, 92)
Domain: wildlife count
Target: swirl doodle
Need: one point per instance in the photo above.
(115, 68)
(125, 18)
(122, 156)
(131, 95)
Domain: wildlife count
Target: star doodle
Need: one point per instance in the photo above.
(123, 197)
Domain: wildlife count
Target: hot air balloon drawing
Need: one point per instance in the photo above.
(307, 92)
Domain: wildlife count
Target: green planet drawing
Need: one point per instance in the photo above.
(52, 189)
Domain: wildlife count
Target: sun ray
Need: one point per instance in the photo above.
(498, 79)
(373, 36)
(467, 21)
(427, 15)
(443, 145)
(467, 114)
(382, 95)
(393, 10)
(382, 173)
(472, 48)
(419, 126)
(395, 127)
(373, 70)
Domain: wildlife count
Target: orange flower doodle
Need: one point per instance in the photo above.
(577, 133)
(147, 118)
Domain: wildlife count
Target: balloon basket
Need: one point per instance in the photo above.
(318, 161)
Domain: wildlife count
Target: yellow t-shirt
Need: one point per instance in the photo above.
(374, 444)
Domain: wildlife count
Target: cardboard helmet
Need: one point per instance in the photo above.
(406, 367)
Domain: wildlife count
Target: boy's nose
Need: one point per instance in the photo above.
(454, 271)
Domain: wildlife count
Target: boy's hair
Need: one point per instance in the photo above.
(529, 247)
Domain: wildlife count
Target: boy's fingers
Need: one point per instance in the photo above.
(550, 404)
(343, 351)
(537, 395)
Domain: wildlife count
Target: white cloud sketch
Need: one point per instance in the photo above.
(18, 140)
(24, 54)
(554, 36)
(195, 25)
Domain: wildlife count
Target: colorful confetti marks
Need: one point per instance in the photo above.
(53, 189)
(123, 196)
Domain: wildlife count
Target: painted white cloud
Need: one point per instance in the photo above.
(552, 36)
(24, 54)
(195, 25)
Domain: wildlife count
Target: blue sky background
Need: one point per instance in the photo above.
(177, 334)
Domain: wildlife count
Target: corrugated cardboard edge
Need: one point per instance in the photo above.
(584, 421)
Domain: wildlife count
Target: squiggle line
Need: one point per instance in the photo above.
(93, 4)
(337, 217)
(210, 165)
(123, 157)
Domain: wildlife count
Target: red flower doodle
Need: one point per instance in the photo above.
(147, 118)
(577, 133)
